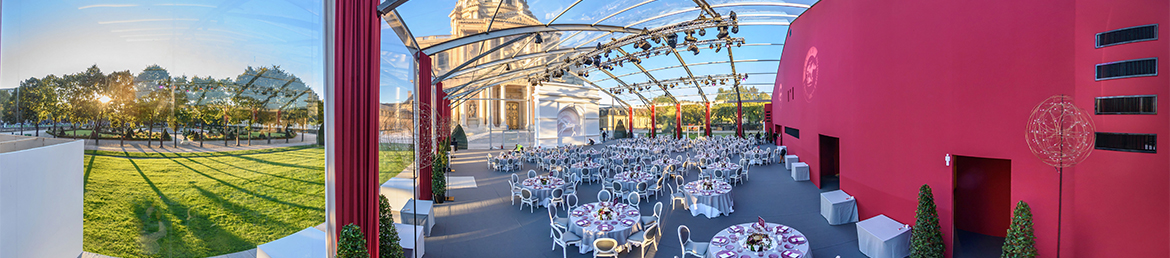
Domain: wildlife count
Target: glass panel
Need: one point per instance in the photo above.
(396, 135)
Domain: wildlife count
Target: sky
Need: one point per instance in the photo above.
(187, 37)
(426, 18)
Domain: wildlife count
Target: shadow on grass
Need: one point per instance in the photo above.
(269, 162)
(88, 168)
(245, 190)
(232, 175)
(262, 173)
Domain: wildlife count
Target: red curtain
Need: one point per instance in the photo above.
(355, 83)
(425, 143)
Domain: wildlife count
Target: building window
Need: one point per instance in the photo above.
(1145, 143)
(1127, 105)
(1127, 35)
(1127, 69)
(792, 131)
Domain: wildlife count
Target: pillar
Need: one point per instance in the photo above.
(630, 121)
(425, 148)
(678, 120)
(707, 120)
(739, 119)
(653, 125)
(352, 62)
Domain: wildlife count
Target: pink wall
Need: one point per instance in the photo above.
(903, 83)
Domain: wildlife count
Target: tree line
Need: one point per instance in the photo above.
(122, 104)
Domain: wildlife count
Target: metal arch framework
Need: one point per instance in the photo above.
(461, 41)
(628, 87)
(696, 64)
(648, 75)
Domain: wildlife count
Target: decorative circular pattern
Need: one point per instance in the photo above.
(811, 73)
(1059, 133)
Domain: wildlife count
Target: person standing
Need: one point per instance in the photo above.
(454, 144)
(604, 134)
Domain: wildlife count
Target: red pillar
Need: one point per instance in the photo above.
(739, 119)
(678, 120)
(426, 143)
(708, 120)
(355, 112)
(631, 121)
(653, 124)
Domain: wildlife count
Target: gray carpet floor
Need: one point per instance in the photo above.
(482, 222)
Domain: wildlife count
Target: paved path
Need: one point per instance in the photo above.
(210, 146)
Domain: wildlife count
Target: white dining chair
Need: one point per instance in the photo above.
(555, 222)
(689, 247)
(653, 220)
(557, 198)
(564, 238)
(526, 197)
(604, 196)
(633, 199)
(644, 238)
(516, 192)
(605, 247)
(678, 194)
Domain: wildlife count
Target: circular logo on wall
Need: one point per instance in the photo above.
(811, 72)
(1059, 133)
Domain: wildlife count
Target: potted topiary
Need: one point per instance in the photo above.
(388, 246)
(926, 238)
(352, 243)
(438, 172)
(1020, 242)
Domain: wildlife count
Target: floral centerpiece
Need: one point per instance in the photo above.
(544, 181)
(707, 185)
(604, 213)
(758, 242)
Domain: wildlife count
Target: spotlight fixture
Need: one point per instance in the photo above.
(735, 28)
(588, 61)
(508, 67)
(672, 40)
(538, 39)
(718, 47)
(645, 45)
(657, 40)
(734, 18)
(694, 49)
(722, 32)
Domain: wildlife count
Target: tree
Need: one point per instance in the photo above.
(352, 243)
(926, 238)
(460, 137)
(388, 246)
(1020, 242)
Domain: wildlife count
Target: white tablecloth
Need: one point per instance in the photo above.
(424, 214)
(542, 191)
(728, 242)
(630, 182)
(592, 231)
(882, 237)
(789, 159)
(800, 171)
(711, 203)
(838, 207)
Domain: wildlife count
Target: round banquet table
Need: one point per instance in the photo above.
(666, 162)
(728, 167)
(630, 181)
(624, 158)
(706, 157)
(756, 154)
(540, 190)
(584, 222)
(710, 202)
(594, 153)
(788, 242)
(590, 166)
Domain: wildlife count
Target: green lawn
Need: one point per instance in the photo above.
(204, 204)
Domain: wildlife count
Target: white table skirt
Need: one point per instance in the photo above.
(789, 159)
(882, 237)
(619, 233)
(710, 205)
(424, 214)
(804, 248)
(800, 171)
(838, 207)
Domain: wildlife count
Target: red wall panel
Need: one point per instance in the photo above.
(904, 83)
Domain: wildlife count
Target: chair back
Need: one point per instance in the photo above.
(571, 200)
(515, 178)
(603, 196)
(658, 210)
(617, 186)
(684, 235)
(641, 187)
(605, 245)
(719, 174)
(558, 193)
(633, 199)
(531, 173)
(527, 194)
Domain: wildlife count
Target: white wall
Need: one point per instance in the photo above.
(554, 97)
(41, 200)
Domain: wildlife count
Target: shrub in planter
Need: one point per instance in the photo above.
(438, 172)
(1020, 242)
(165, 135)
(388, 246)
(926, 238)
(321, 136)
(352, 243)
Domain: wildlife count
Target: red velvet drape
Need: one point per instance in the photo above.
(708, 119)
(425, 142)
(678, 120)
(653, 120)
(355, 114)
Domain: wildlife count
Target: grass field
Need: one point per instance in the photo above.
(204, 204)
